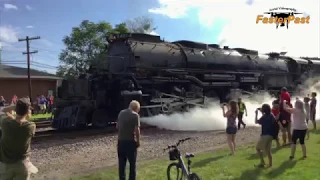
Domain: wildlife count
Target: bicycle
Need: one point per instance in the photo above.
(175, 155)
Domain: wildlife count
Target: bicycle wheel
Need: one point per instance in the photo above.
(177, 167)
(194, 176)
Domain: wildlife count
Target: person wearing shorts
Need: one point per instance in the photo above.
(300, 127)
(285, 117)
(231, 130)
(42, 104)
(268, 131)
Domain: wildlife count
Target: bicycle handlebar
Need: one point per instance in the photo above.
(177, 144)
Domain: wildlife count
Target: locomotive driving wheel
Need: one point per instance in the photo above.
(99, 118)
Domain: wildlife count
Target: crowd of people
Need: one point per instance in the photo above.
(42, 104)
(17, 131)
(281, 116)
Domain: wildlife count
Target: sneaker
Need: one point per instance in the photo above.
(291, 157)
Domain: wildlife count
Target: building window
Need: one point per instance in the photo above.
(50, 92)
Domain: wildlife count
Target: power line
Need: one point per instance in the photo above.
(42, 64)
(47, 50)
(34, 63)
(28, 39)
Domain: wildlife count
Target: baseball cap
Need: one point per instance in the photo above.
(24, 103)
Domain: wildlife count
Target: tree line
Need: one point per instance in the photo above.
(87, 43)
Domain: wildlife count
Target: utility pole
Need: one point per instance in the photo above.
(28, 39)
(0, 54)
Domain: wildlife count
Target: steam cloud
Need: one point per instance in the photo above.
(200, 119)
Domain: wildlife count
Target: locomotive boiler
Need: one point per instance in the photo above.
(167, 77)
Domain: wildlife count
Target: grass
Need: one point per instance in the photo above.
(219, 166)
(40, 116)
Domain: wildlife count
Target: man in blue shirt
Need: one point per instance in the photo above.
(268, 124)
(42, 104)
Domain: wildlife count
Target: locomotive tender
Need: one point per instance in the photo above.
(167, 77)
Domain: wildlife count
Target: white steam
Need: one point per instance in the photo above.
(200, 119)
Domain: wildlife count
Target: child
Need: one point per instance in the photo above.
(307, 108)
(275, 112)
(268, 132)
(313, 105)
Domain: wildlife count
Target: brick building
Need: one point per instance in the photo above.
(14, 80)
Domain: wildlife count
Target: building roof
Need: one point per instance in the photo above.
(21, 73)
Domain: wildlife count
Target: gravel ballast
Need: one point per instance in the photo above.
(62, 159)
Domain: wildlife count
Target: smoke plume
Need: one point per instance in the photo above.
(206, 119)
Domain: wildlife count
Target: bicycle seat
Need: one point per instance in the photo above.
(189, 155)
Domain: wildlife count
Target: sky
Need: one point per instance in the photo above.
(226, 22)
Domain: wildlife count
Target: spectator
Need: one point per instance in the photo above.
(47, 104)
(15, 141)
(285, 117)
(50, 103)
(300, 127)
(28, 98)
(313, 105)
(268, 131)
(307, 108)
(37, 102)
(128, 126)
(42, 104)
(231, 115)
(2, 101)
(242, 110)
(275, 112)
(14, 99)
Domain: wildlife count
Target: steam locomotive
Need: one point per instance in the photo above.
(168, 77)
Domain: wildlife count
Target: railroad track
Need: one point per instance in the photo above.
(43, 123)
(53, 134)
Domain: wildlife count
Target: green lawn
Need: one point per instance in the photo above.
(40, 116)
(219, 166)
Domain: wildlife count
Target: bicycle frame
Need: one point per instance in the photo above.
(175, 155)
(185, 170)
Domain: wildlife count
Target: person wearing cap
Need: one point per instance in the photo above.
(17, 133)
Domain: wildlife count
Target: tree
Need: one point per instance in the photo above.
(85, 45)
(141, 24)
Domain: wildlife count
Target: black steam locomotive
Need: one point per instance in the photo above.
(167, 77)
